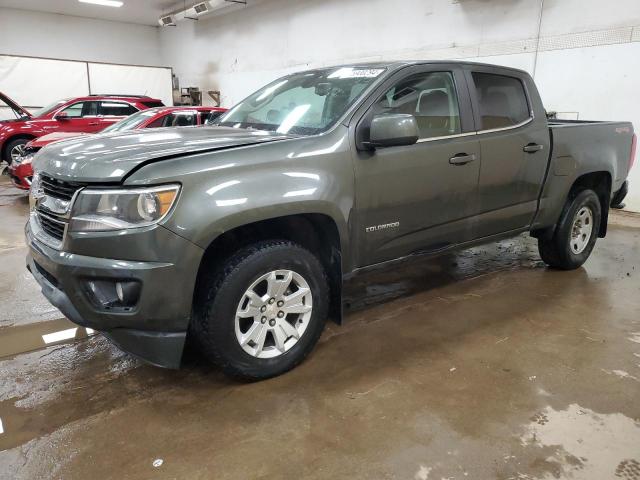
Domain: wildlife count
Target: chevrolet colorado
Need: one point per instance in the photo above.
(241, 234)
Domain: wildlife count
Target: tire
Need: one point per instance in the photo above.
(573, 242)
(13, 146)
(218, 330)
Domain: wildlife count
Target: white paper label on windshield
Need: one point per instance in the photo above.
(350, 72)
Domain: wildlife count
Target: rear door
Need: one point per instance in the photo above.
(421, 196)
(514, 141)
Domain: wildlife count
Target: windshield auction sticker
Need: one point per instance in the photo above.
(350, 72)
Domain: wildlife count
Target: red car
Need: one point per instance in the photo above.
(21, 171)
(83, 114)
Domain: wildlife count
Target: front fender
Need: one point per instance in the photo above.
(18, 129)
(225, 190)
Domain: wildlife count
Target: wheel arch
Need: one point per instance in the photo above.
(600, 182)
(317, 232)
(8, 140)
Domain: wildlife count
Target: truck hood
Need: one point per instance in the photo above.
(19, 111)
(111, 157)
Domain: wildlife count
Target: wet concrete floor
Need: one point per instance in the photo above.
(479, 365)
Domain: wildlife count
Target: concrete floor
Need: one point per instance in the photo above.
(478, 365)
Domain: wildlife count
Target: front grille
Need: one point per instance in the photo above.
(53, 228)
(59, 188)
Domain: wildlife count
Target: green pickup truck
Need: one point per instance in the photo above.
(239, 235)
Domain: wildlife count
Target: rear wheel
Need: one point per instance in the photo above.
(575, 234)
(15, 149)
(260, 313)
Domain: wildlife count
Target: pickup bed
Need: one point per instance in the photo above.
(241, 234)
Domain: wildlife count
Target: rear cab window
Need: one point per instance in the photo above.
(502, 101)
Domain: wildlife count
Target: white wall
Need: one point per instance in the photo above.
(36, 82)
(50, 35)
(588, 62)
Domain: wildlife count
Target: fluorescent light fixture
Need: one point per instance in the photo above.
(59, 336)
(104, 3)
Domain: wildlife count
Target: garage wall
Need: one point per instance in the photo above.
(36, 82)
(585, 54)
(39, 34)
(128, 54)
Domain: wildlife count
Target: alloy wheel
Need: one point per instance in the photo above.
(17, 152)
(273, 313)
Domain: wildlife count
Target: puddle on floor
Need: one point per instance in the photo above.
(587, 444)
(26, 338)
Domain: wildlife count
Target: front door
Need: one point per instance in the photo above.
(420, 197)
(77, 117)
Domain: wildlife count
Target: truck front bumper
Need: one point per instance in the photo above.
(152, 327)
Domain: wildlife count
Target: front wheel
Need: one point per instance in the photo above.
(260, 313)
(15, 149)
(576, 233)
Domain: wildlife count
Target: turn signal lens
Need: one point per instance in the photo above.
(166, 200)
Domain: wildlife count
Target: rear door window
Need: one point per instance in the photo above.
(177, 119)
(502, 100)
(181, 119)
(117, 109)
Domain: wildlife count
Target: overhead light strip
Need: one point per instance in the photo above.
(104, 3)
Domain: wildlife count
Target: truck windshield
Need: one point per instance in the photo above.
(131, 122)
(304, 103)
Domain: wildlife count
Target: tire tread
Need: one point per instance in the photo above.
(200, 325)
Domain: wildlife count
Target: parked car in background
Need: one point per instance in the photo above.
(88, 114)
(21, 170)
(241, 234)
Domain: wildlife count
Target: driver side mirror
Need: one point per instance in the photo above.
(62, 116)
(393, 130)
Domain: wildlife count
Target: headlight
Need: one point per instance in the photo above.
(103, 209)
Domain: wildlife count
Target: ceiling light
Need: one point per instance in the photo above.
(104, 3)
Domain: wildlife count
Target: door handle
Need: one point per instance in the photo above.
(532, 148)
(94, 123)
(462, 159)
